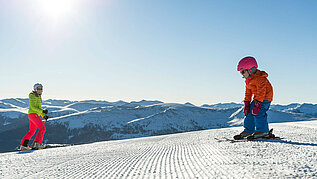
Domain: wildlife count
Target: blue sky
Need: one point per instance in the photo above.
(173, 51)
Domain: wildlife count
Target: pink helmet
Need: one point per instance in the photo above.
(247, 63)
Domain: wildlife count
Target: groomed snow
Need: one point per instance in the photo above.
(185, 155)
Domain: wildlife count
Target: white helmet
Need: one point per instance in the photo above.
(36, 86)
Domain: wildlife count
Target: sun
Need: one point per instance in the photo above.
(56, 9)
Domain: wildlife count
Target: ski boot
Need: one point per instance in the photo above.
(24, 148)
(259, 135)
(38, 146)
(242, 135)
(263, 135)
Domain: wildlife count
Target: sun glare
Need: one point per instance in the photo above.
(56, 9)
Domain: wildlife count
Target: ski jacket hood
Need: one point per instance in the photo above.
(260, 73)
(258, 87)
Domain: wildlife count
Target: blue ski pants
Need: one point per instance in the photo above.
(257, 123)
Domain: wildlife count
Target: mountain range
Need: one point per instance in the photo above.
(77, 122)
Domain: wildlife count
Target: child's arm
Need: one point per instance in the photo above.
(248, 94)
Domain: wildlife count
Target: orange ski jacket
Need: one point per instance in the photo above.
(259, 87)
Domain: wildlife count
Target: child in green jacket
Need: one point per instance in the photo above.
(34, 113)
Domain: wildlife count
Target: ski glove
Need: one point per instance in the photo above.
(246, 109)
(256, 107)
(45, 111)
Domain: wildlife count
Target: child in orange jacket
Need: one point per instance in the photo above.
(258, 90)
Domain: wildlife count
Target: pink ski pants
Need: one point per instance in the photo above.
(35, 122)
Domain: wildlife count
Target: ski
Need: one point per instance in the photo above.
(246, 140)
(230, 140)
(19, 150)
(47, 146)
(270, 136)
(30, 148)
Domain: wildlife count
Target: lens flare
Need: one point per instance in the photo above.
(56, 9)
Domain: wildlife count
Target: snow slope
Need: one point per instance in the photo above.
(185, 155)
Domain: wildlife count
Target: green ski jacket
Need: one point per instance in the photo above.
(35, 104)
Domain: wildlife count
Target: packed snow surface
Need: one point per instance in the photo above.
(185, 155)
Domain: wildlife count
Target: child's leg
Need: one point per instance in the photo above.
(261, 119)
(249, 124)
(39, 137)
(32, 130)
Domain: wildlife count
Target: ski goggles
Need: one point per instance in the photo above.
(243, 71)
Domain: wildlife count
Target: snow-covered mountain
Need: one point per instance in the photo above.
(91, 121)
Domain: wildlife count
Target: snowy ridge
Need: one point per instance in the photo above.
(91, 121)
